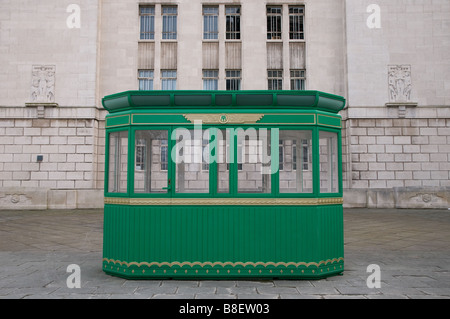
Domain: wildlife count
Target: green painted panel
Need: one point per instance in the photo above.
(308, 119)
(296, 100)
(112, 104)
(141, 119)
(254, 100)
(224, 242)
(154, 100)
(193, 100)
(119, 120)
(327, 120)
(330, 104)
(224, 100)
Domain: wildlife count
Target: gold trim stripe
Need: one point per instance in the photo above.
(215, 118)
(224, 264)
(224, 201)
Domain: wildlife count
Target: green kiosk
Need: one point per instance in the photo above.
(223, 185)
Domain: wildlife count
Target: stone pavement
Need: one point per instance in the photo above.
(411, 247)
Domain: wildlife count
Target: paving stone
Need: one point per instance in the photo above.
(412, 248)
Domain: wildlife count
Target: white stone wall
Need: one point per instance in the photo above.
(395, 153)
(36, 33)
(414, 33)
(396, 150)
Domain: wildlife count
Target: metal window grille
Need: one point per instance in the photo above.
(210, 23)
(281, 154)
(164, 155)
(169, 15)
(305, 154)
(275, 79)
(233, 22)
(140, 154)
(233, 80)
(274, 25)
(298, 79)
(205, 157)
(210, 79)
(147, 21)
(145, 78)
(169, 79)
(296, 23)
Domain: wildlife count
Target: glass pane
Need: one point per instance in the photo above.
(151, 155)
(191, 154)
(147, 15)
(118, 162)
(254, 154)
(296, 161)
(169, 23)
(224, 158)
(210, 22)
(328, 152)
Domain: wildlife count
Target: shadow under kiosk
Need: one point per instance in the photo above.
(223, 184)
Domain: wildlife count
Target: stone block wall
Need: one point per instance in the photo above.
(51, 162)
(400, 162)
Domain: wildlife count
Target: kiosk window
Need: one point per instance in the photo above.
(150, 175)
(296, 161)
(328, 152)
(118, 162)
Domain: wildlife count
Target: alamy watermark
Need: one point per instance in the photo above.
(374, 19)
(74, 19)
(254, 146)
(374, 279)
(74, 279)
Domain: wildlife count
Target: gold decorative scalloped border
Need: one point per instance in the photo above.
(224, 201)
(223, 264)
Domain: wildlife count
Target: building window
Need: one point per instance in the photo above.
(145, 78)
(169, 15)
(210, 79)
(298, 79)
(205, 155)
(140, 154)
(296, 23)
(281, 154)
(233, 80)
(275, 79)
(164, 155)
(233, 23)
(274, 22)
(210, 23)
(168, 79)
(147, 21)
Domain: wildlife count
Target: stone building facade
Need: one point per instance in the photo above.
(389, 59)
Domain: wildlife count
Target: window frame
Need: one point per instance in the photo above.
(150, 16)
(300, 77)
(274, 22)
(233, 82)
(144, 80)
(274, 79)
(233, 22)
(167, 78)
(210, 77)
(296, 23)
(210, 22)
(169, 22)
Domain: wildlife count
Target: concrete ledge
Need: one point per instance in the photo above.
(23, 198)
(18, 198)
(408, 197)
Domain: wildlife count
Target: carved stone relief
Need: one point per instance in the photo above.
(43, 84)
(399, 83)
